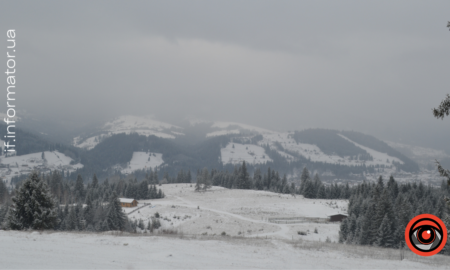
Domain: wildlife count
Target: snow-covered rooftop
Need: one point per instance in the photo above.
(126, 200)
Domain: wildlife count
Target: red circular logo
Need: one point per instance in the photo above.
(426, 235)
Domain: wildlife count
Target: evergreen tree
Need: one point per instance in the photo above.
(303, 178)
(243, 178)
(115, 217)
(94, 181)
(104, 226)
(385, 235)
(199, 182)
(3, 192)
(206, 179)
(257, 179)
(71, 220)
(89, 210)
(79, 189)
(33, 206)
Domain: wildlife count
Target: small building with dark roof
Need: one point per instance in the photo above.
(337, 218)
(124, 202)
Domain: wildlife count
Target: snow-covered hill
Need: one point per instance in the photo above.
(142, 161)
(24, 164)
(235, 153)
(250, 144)
(241, 212)
(423, 156)
(130, 124)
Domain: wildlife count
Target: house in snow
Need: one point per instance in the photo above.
(337, 218)
(124, 202)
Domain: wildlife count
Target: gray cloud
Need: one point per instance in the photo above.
(377, 67)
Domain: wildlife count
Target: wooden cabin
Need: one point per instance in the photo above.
(124, 202)
(337, 218)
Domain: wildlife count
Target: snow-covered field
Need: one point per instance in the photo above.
(200, 219)
(34, 250)
(236, 153)
(143, 160)
(240, 212)
(24, 164)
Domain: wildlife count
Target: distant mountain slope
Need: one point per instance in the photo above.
(329, 142)
(152, 143)
(28, 143)
(378, 145)
(127, 124)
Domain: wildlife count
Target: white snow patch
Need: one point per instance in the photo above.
(70, 250)
(127, 124)
(24, 164)
(222, 132)
(378, 157)
(143, 160)
(236, 153)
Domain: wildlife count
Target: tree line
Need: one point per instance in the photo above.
(378, 213)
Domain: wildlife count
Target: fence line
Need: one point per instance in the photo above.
(293, 220)
(145, 204)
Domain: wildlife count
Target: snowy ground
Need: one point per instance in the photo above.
(199, 219)
(143, 160)
(240, 213)
(24, 164)
(236, 153)
(314, 153)
(33, 250)
(126, 124)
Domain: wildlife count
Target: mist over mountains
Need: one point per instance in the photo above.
(133, 145)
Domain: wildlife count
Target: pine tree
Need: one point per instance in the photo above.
(303, 178)
(79, 189)
(33, 206)
(308, 189)
(3, 213)
(115, 217)
(243, 178)
(141, 224)
(199, 182)
(257, 179)
(385, 234)
(89, 210)
(94, 181)
(189, 177)
(321, 192)
(71, 220)
(3, 192)
(206, 179)
(105, 226)
(143, 190)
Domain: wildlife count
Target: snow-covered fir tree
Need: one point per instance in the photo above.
(33, 206)
(115, 217)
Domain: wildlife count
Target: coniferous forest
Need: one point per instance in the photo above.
(377, 212)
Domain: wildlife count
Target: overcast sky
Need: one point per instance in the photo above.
(377, 67)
